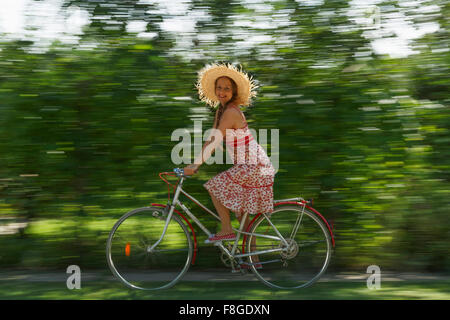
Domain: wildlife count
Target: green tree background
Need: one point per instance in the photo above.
(85, 129)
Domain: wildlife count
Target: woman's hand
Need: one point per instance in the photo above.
(191, 169)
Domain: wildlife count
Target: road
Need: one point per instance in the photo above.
(206, 275)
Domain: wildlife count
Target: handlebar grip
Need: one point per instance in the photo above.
(180, 173)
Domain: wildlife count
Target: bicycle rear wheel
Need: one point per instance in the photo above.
(128, 255)
(303, 260)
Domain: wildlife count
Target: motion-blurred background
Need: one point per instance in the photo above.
(91, 91)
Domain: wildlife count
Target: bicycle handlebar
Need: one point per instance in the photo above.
(180, 173)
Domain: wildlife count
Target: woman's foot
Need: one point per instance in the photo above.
(222, 236)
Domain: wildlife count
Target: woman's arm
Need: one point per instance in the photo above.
(197, 160)
(216, 137)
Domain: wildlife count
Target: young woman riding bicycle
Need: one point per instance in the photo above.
(247, 187)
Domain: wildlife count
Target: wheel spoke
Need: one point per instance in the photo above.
(297, 223)
(168, 250)
(310, 243)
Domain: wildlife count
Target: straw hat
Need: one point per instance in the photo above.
(207, 78)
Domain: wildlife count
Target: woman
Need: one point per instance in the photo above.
(247, 187)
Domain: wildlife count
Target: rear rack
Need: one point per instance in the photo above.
(298, 199)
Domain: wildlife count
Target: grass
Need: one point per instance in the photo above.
(196, 290)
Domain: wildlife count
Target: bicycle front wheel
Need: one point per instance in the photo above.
(304, 256)
(130, 258)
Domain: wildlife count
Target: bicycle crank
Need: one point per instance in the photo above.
(228, 261)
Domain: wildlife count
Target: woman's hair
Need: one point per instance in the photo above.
(234, 98)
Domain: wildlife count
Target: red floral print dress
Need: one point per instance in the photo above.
(248, 185)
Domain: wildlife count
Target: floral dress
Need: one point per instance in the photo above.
(248, 185)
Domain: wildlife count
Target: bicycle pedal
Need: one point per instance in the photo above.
(216, 243)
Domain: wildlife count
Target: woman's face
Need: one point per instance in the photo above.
(224, 90)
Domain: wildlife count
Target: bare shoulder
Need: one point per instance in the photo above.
(228, 119)
(232, 112)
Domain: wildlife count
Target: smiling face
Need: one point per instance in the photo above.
(224, 90)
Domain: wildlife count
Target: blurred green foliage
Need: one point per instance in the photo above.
(85, 130)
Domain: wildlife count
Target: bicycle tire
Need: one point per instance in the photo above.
(127, 249)
(309, 253)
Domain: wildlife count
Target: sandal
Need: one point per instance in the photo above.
(226, 237)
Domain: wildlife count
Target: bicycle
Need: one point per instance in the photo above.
(151, 248)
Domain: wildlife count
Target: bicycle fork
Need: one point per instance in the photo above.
(169, 216)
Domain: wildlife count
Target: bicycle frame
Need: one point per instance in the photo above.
(231, 254)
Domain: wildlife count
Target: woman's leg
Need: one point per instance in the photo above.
(224, 214)
(255, 259)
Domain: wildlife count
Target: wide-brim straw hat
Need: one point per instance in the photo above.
(206, 83)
